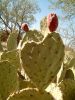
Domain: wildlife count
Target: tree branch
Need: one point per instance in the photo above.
(5, 23)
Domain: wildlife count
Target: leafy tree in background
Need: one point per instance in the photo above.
(14, 12)
(67, 7)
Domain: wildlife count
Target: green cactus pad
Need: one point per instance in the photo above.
(31, 94)
(68, 89)
(32, 35)
(42, 60)
(12, 41)
(8, 79)
(13, 57)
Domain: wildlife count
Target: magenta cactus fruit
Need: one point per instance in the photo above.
(52, 22)
(24, 26)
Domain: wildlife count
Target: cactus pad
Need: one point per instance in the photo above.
(42, 60)
(31, 94)
(12, 56)
(12, 41)
(8, 79)
(68, 89)
(43, 25)
(24, 84)
(32, 35)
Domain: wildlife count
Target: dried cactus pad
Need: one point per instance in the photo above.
(12, 56)
(43, 26)
(68, 89)
(31, 94)
(8, 79)
(42, 60)
(32, 35)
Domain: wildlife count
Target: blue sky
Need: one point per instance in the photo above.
(44, 6)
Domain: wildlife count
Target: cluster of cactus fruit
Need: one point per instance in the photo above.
(28, 69)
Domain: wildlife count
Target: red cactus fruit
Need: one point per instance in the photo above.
(52, 22)
(24, 26)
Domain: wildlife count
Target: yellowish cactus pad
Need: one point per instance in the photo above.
(42, 60)
(12, 41)
(8, 79)
(12, 56)
(31, 94)
(32, 35)
(24, 84)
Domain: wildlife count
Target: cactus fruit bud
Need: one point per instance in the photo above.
(52, 22)
(24, 26)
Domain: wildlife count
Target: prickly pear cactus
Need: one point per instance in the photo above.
(31, 94)
(42, 60)
(68, 70)
(67, 88)
(12, 41)
(8, 79)
(13, 57)
(43, 25)
(32, 35)
(25, 83)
